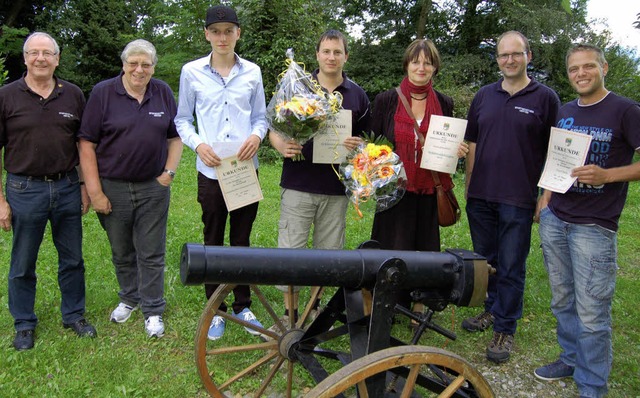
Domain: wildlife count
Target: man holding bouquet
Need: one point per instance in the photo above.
(227, 95)
(311, 193)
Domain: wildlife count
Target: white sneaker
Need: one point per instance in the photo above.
(154, 326)
(122, 313)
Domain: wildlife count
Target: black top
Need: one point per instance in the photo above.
(38, 134)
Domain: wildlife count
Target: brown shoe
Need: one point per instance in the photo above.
(478, 323)
(499, 349)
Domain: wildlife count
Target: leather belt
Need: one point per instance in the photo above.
(48, 177)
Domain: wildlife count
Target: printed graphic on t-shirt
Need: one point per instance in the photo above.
(598, 152)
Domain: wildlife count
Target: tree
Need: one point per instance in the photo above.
(91, 44)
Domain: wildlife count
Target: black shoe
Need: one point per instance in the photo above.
(82, 328)
(23, 340)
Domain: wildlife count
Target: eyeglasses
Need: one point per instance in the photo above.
(516, 56)
(134, 65)
(36, 53)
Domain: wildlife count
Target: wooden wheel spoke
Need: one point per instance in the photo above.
(248, 369)
(265, 303)
(453, 387)
(269, 345)
(411, 381)
(267, 381)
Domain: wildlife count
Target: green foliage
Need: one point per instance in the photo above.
(3, 72)
(91, 44)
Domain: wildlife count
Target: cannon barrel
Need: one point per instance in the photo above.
(459, 276)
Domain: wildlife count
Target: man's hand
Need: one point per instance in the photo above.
(591, 175)
(101, 203)
(164, 179)
(5, 215)
(249, 148)
(208, 156)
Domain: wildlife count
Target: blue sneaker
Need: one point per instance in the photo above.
(554, 371)
(216, 330)
(247, 316)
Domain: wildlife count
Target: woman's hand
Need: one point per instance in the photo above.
(463, 149)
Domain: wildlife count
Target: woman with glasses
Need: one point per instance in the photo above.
(129, 151)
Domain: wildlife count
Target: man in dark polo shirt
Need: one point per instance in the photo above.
(311, 193)
(508, 128)
(39, 118)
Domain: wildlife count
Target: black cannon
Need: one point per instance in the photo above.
(366, 284)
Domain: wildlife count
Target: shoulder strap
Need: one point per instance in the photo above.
(436, 177)
(416, 128)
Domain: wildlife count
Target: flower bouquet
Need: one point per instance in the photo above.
(373, 172)
(300, 108)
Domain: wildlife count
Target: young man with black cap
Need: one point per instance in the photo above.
(227, 96)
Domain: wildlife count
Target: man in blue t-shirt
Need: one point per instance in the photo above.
(508, 129)
(578, 229)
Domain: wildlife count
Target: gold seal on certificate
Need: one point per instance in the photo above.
(567, 150)
(440, 151)
(238, 182)
(327, 146)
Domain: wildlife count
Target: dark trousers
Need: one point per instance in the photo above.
(502, 234)
(214, 218)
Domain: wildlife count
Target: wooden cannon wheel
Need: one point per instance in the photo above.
(416, 359)
(246, 364)
(261, 358)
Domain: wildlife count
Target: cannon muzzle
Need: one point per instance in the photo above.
(457, 276)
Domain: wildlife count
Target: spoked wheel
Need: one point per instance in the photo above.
(243, 363)
(407, 371)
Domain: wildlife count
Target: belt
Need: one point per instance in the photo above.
(48, 177)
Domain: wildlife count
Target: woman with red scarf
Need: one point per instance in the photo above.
(412, 224)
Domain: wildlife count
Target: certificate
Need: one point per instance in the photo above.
(567, 150)
(327, 145)
(440, 152)
(239, 182)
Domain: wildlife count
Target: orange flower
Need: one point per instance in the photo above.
(385, 171)
(360, 161)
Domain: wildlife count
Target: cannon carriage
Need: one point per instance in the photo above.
(347, 347)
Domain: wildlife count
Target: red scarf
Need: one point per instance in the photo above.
(407, 144)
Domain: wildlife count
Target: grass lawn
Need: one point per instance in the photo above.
(123, 362)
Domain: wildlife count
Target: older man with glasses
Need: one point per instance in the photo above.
(39, 120)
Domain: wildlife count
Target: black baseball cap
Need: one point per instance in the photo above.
(221, 13)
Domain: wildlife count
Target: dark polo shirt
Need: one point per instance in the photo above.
(39, 134)
(511, 135)
(304, 175)
(130, 137)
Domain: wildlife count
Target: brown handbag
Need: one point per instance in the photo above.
(448, 208)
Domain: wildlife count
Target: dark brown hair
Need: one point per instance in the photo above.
(417, 47)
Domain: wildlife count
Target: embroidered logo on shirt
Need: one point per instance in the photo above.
(156, 114)
(524, 110)
(66, 115)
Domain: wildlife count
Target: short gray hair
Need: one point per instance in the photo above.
(56, 48)
(137, 47)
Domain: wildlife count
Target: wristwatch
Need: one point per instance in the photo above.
(171, 173)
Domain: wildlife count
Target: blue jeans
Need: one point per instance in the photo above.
(581, 262)
(502, 234)
(33, 204)
(137, 232)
